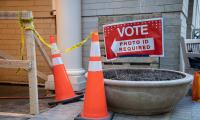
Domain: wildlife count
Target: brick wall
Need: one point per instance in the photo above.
(174, 13)
(10, 34)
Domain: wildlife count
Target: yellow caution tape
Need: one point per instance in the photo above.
(22, 27)
(38, 35)
(78, 44)
(49, 46)
(22, 42)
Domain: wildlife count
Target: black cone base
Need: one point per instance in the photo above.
(109, 118)
(67, 101)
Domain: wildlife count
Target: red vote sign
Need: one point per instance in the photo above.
(134, 38)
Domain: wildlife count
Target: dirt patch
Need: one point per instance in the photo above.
(142, 75)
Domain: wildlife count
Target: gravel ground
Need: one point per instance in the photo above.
(142, 75)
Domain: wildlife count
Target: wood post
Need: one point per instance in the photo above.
(43, 52)
(32, 74)
(26, 64)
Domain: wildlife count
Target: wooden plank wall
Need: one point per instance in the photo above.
(10, 34)
(132, 62)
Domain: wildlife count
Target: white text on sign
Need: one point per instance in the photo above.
(144, 44)
(133, 30)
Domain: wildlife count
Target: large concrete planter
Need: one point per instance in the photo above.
(146, 95)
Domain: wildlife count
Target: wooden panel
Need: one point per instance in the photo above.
(10, 38)
(193, 54)
(14, 14)
(26, 64)
(192, 40)
(8, 56)
(5, 55)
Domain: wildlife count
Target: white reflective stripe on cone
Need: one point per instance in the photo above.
(54, 46)
(53, 52)
(54, 49)
(57, 61)
(95, 49)
(95, 66)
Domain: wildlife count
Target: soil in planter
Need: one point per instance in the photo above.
(141, 75)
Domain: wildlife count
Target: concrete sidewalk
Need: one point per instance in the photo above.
(14, 116)
(185, 110)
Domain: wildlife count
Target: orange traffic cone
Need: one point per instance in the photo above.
(196, 87)
(95, 107)
(63, 90)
